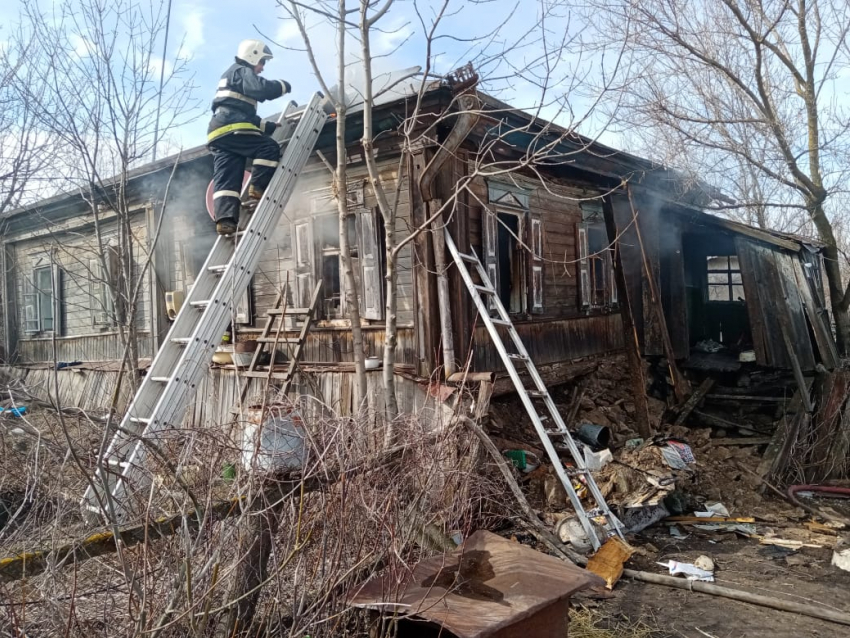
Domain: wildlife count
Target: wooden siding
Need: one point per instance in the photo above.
(327, 345)
(216, 401)
(782, 309)
(85, 388)
(80, 337)
(554, 341)
(96, 347)
(332, 390)
(312, 198)
(558, 207)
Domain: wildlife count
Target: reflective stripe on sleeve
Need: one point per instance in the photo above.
(218, 194)
(265, 162)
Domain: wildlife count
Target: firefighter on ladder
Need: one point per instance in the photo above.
(236, 133)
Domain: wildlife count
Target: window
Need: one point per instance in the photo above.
(327, 238)
(42, 300)
(597, 285)
(724, 278)
(513, 250)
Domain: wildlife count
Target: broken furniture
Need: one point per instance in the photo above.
(490, 587)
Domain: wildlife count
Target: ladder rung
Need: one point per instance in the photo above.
(118, 463)
(181, 341)
(140, 419)
(470, 258)
(556, 432)
(281, 340)
(289, 311)
(517, 357)
(217, 270)
(160, 379)
(484, 289)
(200, 304)
(499, 322)
(537, 394)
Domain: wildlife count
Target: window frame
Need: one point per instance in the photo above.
(730, 285)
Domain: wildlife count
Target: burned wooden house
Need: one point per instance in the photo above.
(546, 230)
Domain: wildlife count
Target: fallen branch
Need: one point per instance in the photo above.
(538, 528)
(743, 596)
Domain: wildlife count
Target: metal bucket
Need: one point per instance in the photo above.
(276, 442)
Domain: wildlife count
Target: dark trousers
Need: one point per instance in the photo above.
(229, 155)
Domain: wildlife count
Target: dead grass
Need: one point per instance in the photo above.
(590, 623)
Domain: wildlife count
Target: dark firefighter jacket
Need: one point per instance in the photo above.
(235, 103)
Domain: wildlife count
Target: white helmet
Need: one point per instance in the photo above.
(253, 51)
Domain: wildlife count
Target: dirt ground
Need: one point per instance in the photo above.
(804, 576)
(719, 474)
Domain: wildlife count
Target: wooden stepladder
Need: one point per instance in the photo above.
(268, 342)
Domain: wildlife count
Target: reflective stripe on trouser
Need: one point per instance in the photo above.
(229, 154)
(228, 169)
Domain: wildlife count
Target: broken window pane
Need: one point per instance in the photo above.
(44, 292)
(331, 289)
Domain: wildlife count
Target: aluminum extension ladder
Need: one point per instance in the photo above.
(182, 360)
(481, 295)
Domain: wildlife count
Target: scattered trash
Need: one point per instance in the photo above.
(678, 455)
(745, 529)
(595, 461)
(523, 460)
(596, 436)
(841, 554)
(609, 560)
(708, 346)
(17, 431)
(691, 572)
(228, 472)
(633, 444)
(21, 410)
(714, 509)
(705, 563)
(788, 543)
(569, 530)
(678, 534)
(747, 356)
(637, 519)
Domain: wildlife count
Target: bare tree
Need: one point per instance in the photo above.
(25, 149)
(504, 58)
(97, 98)
(754, 86)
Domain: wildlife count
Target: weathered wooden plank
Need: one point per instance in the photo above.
(693, 401)
(753, 301)
(799, 333)
(823, 336)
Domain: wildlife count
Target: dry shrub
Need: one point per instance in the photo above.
(354, 509)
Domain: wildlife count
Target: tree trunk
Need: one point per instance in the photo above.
(832, 269)
(391, 337)
(341, 190)
(257, 531)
